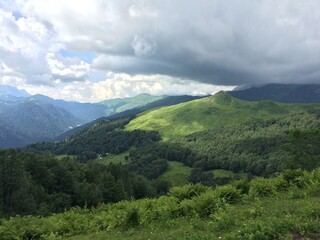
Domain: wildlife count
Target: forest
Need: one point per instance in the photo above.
(257, 148)
(42, 184)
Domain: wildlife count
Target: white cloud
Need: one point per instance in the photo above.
(124, 85)
(222, 42)
(209, 41)
(65, 68)
(28, 54)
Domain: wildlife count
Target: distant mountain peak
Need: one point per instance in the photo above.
(122, 104)
(285, 93)
(9, 93)
(222, 98)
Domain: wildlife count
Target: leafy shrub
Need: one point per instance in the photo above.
(187, 191)
(296, 193)
(260, 187)
(229, 194)
(224, 219)
(242, 185)
(314, 189)
(207, 203)
(186, 208)
(161, 209)
(133, 218)
(315, 175)
(295, 178)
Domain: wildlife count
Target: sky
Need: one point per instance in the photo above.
(91, 50)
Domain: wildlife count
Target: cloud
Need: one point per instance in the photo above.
(143, 46)
(124, 85)
(211, 41)
(29, 53)
(67, 69)
(215, 42)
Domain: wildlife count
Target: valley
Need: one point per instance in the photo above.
(215, 150)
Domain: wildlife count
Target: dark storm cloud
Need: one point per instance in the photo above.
(220, 42)
(212, 41)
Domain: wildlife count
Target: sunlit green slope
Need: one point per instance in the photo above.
(208, 113)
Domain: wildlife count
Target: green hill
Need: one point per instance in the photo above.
(219, 132)
(212, 112)
(122, 104)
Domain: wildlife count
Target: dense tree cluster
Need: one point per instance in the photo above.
(260, 147)
(41, 184)
(106, 136)
(147, 164)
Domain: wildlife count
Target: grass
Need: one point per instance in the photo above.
(282, 208)
(278, 217)
(226, 173)
(113, 158)
(122, 104)
(177, 173)
(208, 113)
(64, 156)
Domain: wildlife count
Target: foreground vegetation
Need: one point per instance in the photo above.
(284, 207)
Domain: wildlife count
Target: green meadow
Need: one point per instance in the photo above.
(212, 112)
(177, 173)
(113, 158)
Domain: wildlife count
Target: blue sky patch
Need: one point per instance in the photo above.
(17, 15)
(85, 56)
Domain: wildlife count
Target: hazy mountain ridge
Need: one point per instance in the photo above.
(8, 93)
(85, 112)
(167, 101)
(38, 117)
(122, 104)
(285, 93)
(27, 119)
(27, 122)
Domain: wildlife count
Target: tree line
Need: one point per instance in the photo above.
(41, 184)
(258, 148)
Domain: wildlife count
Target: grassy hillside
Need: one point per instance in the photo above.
(177, 173)
(26, 122)
(113, 158)
(123, 104)
(285, 207)
(257, 220)
(212, 112)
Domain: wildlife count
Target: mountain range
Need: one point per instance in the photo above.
(285, 93)
(26, 119)
(215, 132)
